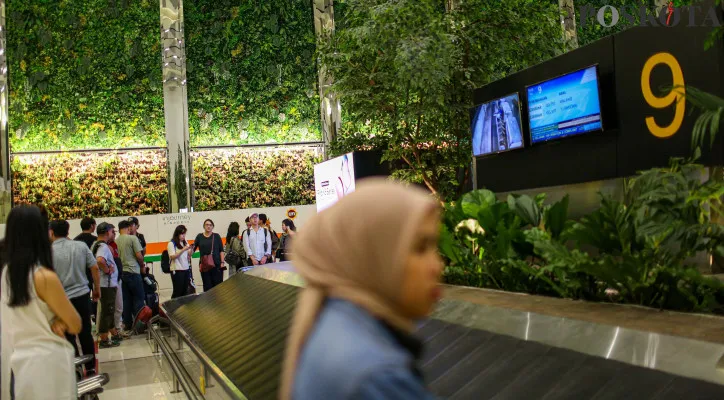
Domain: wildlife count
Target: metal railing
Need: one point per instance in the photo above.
(182, 379)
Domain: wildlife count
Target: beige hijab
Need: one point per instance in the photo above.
(355, 250)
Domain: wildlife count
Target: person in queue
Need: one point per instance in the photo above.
(130, 253)
(88, 227)
(133, 230)
(108, 335)
(233, 244)
(265, 223)
(179, 251)
(257, 242)
(37, 360)
(360, 302)
(285, 241)
(71, 260)
(118, 318)
(209, 243)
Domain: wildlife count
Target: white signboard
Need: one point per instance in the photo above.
(333, 179)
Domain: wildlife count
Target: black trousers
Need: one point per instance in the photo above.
(82, 305)
(180, 281)
(212, 278)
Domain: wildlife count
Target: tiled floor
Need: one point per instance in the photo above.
(135, 372)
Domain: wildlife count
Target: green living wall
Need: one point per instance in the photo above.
(244, 178)
(592, 30)
(75, 185)
(251, 72)
(84, 74)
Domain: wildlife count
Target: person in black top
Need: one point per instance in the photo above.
(133, 230)
(88, 225)
(206, 242)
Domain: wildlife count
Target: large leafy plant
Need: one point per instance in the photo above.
(405, 70)
(251, 72)
(72, 185)
(84, 74)
(227, 179)
(635, 251)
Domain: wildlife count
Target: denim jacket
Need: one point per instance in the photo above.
(350, 355)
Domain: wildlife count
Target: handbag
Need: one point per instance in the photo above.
(207, 262)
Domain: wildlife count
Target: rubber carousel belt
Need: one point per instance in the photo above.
(242, 326)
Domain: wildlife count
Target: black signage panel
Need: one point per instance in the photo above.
(655, 124)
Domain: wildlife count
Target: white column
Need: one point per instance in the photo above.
(330, 107)
(5, 173)
(173, 58)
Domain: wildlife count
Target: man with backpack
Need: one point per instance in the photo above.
(257, 242)
(107, 332)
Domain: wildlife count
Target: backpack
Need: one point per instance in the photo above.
(232, 257)
(165, 262)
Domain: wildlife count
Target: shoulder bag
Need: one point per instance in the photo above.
(207, 262)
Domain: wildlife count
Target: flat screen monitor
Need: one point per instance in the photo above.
(496, 126)
(333, 179)
(564, 106)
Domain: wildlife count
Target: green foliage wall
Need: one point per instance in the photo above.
(243, 178)
(593, 31)
(75, 185)
(84, 74)
(87, 74)
(251, 71)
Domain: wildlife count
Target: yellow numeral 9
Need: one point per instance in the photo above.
(675, 96)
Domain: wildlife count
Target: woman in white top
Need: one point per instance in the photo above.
(179, 251)
(37, 360)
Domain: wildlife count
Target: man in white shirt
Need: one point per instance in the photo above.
(257, 242)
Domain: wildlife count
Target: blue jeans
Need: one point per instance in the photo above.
(133, 297)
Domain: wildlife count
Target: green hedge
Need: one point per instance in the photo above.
(242, 178)
(251, 72)
(75, 185)
(84, 74)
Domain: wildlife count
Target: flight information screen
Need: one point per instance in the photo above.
(564, 106)
(496, 126)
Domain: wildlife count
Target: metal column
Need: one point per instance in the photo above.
(330, 108)
(5, 172)
(173, 58)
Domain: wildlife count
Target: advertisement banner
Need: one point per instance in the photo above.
(333, 179)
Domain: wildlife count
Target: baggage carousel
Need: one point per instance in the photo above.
(236, 335)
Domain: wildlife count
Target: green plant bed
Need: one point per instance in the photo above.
(244, 178)
(636, 251)
(251, 72)
(84, 74)
(75, 185)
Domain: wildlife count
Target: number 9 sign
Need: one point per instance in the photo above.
(675, 96)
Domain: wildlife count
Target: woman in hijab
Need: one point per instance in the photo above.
(372, 268)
